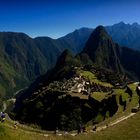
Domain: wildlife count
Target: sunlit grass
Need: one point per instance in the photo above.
(92, 77)
(126, 130)
(99, 96)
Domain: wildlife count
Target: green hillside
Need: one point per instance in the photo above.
(95, 87)
(59, 103)
(23, 59)
(74, 93)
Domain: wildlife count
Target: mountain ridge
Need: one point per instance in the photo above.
(73, 93)
(26, 58)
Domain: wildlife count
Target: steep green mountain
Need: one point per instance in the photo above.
(16, 67)
(102, 50)
(75, 93)
(106, 54)
(50, 49)
(22, 59)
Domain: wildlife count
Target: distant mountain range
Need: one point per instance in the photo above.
(22, 59)
(124, 34)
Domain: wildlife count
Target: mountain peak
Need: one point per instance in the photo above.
(135, 24)
(98, 37)
(100, 28)
(100, 31)
(64, 58)
(102, 50)
(121, 24)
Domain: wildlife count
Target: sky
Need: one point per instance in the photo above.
(56, 18)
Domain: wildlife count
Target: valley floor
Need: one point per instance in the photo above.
(126, 127)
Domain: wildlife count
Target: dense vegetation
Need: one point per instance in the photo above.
(23, 59)
(53, 105)
(128, 129)
(51, 100)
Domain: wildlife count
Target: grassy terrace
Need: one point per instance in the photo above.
(91, 76)
(130, 105)
(99, 96)
(126, 97)
(81, 96)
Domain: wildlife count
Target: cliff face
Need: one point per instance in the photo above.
(102, 50)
